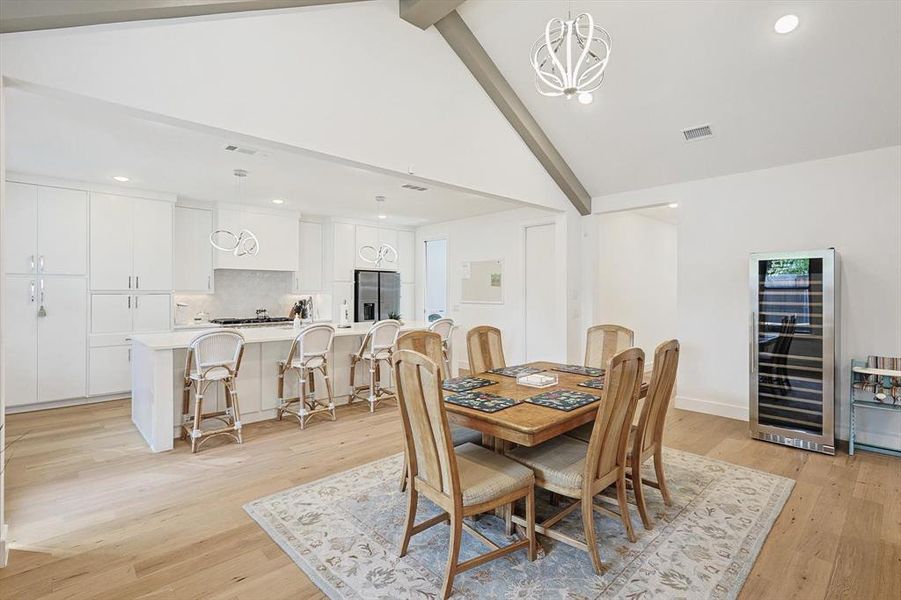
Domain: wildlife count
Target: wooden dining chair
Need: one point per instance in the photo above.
(602, 342)
(571, 468)
(485, 349)
(462, 481)
(647, 437)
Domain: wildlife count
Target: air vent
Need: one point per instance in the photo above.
(410, 186)
(242, 150)
(697, 133)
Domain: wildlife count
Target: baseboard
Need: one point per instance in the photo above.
(712, 408)
(11, 410)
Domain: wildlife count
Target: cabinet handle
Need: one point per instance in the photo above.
(31, 262)
(208, 282)
(129, 355)
(41, 263)
(129, 302)
(129, 282)
(136, 301)
(137, 282)
(32, 292)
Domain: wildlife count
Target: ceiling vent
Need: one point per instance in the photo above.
(697, 133)
(410, 186)
(242, 150)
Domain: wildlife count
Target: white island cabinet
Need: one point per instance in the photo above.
(158, 366)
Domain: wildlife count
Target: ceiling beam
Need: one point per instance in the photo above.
(425, 13)
(464, 43)
(32, 15)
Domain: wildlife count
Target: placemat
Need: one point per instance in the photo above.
(566, 400)
(464, 384)
(579, 370)
(598, 384)
(482, 401)
(515, 371)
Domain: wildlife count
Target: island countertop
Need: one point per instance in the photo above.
(172, 340)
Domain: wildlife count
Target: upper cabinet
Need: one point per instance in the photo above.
(343, 251)
(375, 237)
(131, 243)
(45, 230)
(193, 254)
(310, 275)
(405, 245)
(277, 235)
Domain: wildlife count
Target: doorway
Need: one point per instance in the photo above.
(435, 279)
(540, 314)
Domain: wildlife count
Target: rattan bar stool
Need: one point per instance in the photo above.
(213, 357)
(308, 354)
(445, 328)
(377, 349)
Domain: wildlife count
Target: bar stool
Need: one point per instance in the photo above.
(308, 354)
(377, 349)
(213, 357)
(445, 328)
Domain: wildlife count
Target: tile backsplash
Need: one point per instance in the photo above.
(239, 293)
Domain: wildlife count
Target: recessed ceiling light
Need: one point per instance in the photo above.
(383, 216)
(121, 178)
(786, 24)
(673, 205)
(278, 201)
(585, 98)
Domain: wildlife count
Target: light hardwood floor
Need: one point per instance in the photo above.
(93, 514)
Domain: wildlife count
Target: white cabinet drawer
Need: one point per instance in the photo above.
(110, 370)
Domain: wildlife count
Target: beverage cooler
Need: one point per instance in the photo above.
(793, 348)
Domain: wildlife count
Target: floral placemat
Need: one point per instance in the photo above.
(464, 384)
(482, 401)
(579, 370)
(515, 371)
(563, 399)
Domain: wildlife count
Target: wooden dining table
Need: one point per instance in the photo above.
(528, 424)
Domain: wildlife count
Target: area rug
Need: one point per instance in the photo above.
(343, 531)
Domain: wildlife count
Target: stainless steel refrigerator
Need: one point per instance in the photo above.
(376, 295)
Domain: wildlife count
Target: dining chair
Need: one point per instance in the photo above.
(647, 437)
(571, 468)
(429, 344)
(212, 357)
(602, 342)
(308, 354)
(463, 481)
(445, 327)
(486, 352)
(376, 350)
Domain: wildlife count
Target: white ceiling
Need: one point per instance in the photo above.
(85, 141)
(831, 87)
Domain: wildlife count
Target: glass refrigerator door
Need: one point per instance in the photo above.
(790, 369)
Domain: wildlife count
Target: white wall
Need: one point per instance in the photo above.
(501, 236)
(851, 202)
(635, 268)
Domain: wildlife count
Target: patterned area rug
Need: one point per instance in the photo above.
(343, 531)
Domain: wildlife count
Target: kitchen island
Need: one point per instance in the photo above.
(158, 369)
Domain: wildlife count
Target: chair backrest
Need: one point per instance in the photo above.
(312, 341)
(444, 328)
(430, 448)
(649, 433)
(382, 336)
(604, 341)
(215, 350)
(427, 343)
(485, 349)
(607, 447)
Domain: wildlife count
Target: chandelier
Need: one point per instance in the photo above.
(570, 58)
(385, 252)
(244, 242)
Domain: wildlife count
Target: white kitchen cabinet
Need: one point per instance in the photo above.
(124, 313)
(45, 230)
(62, 338)
(110, 370)
(310, 275)
(193, 254)
(151, 312)
(20, 340)
(407, 292)
(344, 252)
(131, 243)
(405, 256)
(278, 240)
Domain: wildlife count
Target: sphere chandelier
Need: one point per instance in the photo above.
(570, 58)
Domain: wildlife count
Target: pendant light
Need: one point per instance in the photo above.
(385, 252)
(244, 242)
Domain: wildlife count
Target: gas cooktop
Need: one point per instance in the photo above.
(251, 321)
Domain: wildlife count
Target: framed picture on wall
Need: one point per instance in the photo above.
(482, 282)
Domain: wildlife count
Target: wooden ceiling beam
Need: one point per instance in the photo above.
(425, 13)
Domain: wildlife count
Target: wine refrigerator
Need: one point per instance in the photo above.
(793, 348)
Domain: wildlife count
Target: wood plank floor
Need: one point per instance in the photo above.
(93, 514)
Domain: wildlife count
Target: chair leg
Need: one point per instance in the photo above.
(508, 518)
(623, 501)
(639, 495)
(404, 474)
(279, 412)
(530, 524)
(412, 499)
(353, 380)
(453, 552)
(590, 537)
(302, 375)
(373, 370)
(185, 404)
(661, 479)
(198, 412)
(328, 390)
(236, 411)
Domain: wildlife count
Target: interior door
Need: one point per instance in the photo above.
(435, 279)
(540, 309)
(20, 340)
(152, 245)
(111, 242)
(62, 334)
(20, 220)
(62, 231)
